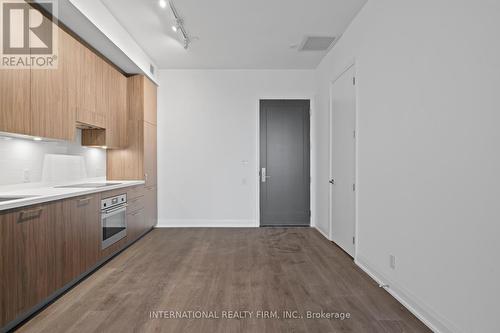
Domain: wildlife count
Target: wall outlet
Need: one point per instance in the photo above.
(392, 261)
(26, 175)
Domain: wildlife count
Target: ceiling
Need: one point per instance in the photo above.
(235, 34)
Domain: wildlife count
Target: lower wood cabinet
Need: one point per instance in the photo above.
(151, 206)
(31, 258)
(142, 211)
(45, 247)
(136, 224)
(81, 235)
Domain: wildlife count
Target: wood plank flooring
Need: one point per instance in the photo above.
(216, 270)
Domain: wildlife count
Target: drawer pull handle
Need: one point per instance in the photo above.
(26, 215)
(85, 199)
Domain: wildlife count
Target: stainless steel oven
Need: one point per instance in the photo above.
(113, 219)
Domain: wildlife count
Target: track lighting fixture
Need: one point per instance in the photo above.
(178, 27)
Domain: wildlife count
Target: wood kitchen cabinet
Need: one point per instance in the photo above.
(139, 159)
(30, 264)
(15, 113)
(116, 124)
(136, 224)
(83, 91)
(142, 99)
(90, 112)
(40, 102)
(150, 154)
(150, 206)
(82, 236)
(114, 95)
(53, 94)
(45, 247)
(150, 101)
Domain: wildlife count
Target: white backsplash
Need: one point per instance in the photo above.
(23, 159)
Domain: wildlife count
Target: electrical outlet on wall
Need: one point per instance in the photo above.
(392, 261)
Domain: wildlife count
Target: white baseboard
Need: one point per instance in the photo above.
(431, 319)
(172, 223)
(321, 232)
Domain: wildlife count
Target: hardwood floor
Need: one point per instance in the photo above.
(227, 269)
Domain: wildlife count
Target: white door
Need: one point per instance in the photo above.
(343, 161)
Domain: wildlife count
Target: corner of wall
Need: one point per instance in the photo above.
(431, 319)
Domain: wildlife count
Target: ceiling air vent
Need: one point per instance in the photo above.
(316, 43)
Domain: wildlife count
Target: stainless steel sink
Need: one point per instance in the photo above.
(88, 185)
(5, 199)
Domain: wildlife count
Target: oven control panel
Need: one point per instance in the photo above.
(114, 201)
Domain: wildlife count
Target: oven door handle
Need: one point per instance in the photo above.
(108, 213)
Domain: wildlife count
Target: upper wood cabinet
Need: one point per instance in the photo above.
(142, 99)
(90, 110)
(53, 100)
(116, 123)
(15, 113)
(84, 91)
(150, 101)
(138, 160)
(113, 99)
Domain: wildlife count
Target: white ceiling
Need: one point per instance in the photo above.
(235, 34)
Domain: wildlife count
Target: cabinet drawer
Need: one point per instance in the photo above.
(135, 204)
(135, 192)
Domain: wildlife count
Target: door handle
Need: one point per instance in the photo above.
(263, 175)
(332, 181)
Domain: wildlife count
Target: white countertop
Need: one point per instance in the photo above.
(40, 193)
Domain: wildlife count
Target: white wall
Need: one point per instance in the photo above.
(208, 142)
(428, 76)
(18, 155)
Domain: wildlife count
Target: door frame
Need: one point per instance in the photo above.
(312, 153)
(356, 158)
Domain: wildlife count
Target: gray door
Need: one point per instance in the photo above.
(284, 163)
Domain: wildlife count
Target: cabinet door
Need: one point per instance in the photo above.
(29, 264)
(102, 88)
(116, 117)
(136, 224)
(150, 101)
(150, 151)
(151, 206)
(89, 80)
(53, 103)
(15, 115)
(81, 233)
